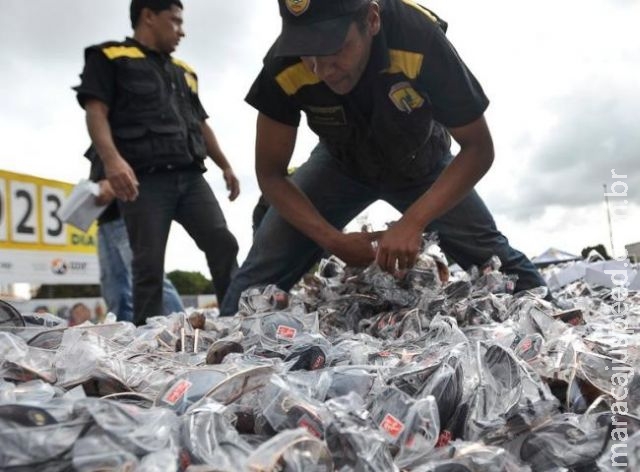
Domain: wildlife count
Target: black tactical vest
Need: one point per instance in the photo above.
(153, 121)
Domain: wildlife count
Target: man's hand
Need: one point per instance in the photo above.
(106, 195)
(233, 185)
(356, 249)
(122, 179)
(398, 247)
(119, 173)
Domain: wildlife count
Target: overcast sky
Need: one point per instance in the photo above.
(562, 77)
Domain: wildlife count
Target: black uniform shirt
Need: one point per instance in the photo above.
(455, 95)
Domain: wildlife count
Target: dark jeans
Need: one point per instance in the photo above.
(183, 196)
(281, 255)
(115, 256)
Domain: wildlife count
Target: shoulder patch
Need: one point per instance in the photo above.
(405, 62)
(421, 9)
(183, 64)
(428, 14)
(189, 74)
(115, 52)
(295, 77)
(405, 98)
(192, 81)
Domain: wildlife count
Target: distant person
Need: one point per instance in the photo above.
(78, 314)
(385, 91)
(41, 309)
(148, 127)
(63, 312)
(115, 256)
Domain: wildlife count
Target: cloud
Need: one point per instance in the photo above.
(562, 78)
(595, 132)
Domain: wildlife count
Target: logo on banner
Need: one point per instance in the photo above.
(62, 267)
(6, 265)
(59, 267)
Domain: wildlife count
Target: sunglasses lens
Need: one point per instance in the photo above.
(576, 401)
(9, 316)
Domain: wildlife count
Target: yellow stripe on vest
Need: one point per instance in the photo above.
(405, 62)
(192, 82)
(189, 74)
(295, 77)
(115, 52)
(183, 64)
(421, 9)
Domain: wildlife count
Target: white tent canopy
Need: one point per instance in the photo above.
(554, 256)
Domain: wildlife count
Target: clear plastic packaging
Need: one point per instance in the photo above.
(294, 450)
(210, 438)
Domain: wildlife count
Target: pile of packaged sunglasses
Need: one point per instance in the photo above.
(352, 370)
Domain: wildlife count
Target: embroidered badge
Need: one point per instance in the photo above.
(328, 116)
(297, 7)
(405, 98)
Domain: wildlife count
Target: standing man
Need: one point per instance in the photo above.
(148, 127)
(115, 256)
(384, 90)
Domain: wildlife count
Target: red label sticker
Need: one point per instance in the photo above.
(318, 363)
(526, 344)
(286, 332)
(575, 321)
(310, 425)
(444, 438)
(392, 425)
(177, 392)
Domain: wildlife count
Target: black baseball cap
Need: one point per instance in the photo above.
(315, 27)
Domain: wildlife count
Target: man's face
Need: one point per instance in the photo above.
(342, 71)
(167, 29)
(79, 315)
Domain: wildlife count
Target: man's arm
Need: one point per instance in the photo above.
(216, 154)
(275, 142)
(401, 242)
(119, 173)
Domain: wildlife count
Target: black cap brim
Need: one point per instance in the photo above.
(321, 38)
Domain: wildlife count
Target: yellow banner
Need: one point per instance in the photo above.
(29, 217)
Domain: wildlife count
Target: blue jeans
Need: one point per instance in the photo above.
(281, 255)
(115, 256)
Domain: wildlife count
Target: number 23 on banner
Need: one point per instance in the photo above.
(29, 211)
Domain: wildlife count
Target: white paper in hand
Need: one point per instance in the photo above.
(80, 209)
